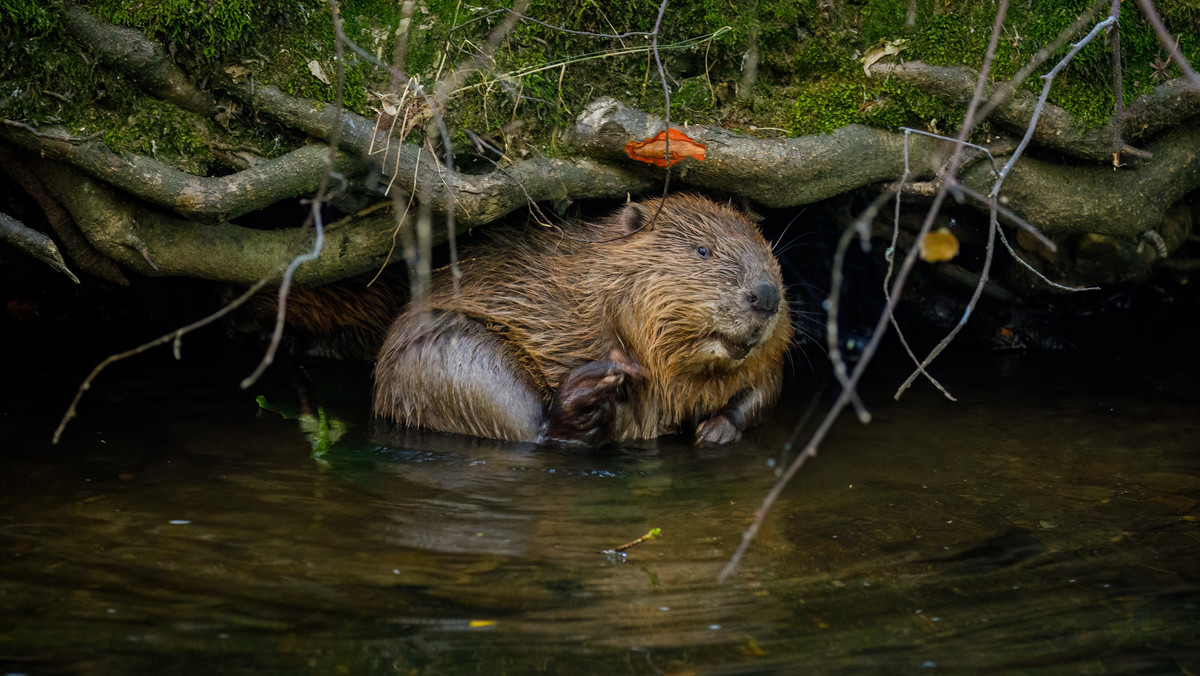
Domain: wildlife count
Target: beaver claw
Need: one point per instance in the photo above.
(584, 405)
(719, 429)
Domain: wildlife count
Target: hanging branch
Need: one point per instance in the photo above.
(992, 197)
(1118, 116)
(847, 393)
(175, 336)
(315, 205)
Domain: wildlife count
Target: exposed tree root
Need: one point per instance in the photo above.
(1167, 106)
(130, 52)
(208, 199)
(156, 244)
(77, 246)
(774, 172)
(1122, 207)
(1061, 200)
(1058, 199)
(33, 243)
(479, 198)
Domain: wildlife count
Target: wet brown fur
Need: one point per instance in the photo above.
(533, 305)
(346, 320)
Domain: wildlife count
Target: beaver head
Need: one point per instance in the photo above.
(696, 285)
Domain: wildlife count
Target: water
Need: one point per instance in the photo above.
(1046, 523)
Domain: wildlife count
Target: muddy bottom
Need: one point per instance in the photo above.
(1047, 522)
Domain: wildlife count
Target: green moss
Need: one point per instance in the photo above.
(29, 17)
(826, 106)
(956, 33)
(810, 79)
(159, 130)
(202, 31)
(898, 104)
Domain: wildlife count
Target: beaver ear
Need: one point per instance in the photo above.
(633, 217)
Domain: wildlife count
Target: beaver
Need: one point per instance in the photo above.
(665, 317)
(344, 320)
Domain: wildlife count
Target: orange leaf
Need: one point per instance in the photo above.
(939, 245)
(654, 149)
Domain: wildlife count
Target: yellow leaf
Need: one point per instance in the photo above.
(939, 245)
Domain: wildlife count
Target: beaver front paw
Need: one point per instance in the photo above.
(585, 403)
(719, 429)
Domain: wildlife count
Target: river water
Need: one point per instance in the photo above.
(1047, 522)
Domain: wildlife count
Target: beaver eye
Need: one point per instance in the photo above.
(702, 251)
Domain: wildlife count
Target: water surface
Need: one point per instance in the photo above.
(1045, 523)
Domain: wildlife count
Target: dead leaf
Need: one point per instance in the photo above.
(237, 73)
(879, 51)
(314, 67)
(939, 245)
(653, 149)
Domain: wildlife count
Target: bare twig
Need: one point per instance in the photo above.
(846, 394)
(862, 228)
(56, 135)
(1010, 216)
(993, 226)
(315, 205)
(1114, 12)
(1006, 90)
(890, 255)
(1056, 285)
(993, 196)
(910, 130)
(519, 15)
(662, 75)
(1047, 79)
(161, 340)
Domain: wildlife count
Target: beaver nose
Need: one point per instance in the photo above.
(764, 298)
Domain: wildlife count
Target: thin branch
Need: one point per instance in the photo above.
(662, 75)
(846, 394)
(861, 227)
(560, 29)
(1047, 79)
(890, 255)
(910, 130)
(1114, 12)
(993, 196)
(1046, 280)
(315, 205)
(161, 340)
(1010, 216)
(1006, 90)
(993, 226)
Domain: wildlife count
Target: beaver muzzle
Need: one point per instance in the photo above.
(763, 298)
(735, 348)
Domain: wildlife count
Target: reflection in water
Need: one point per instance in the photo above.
(1048, 522)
